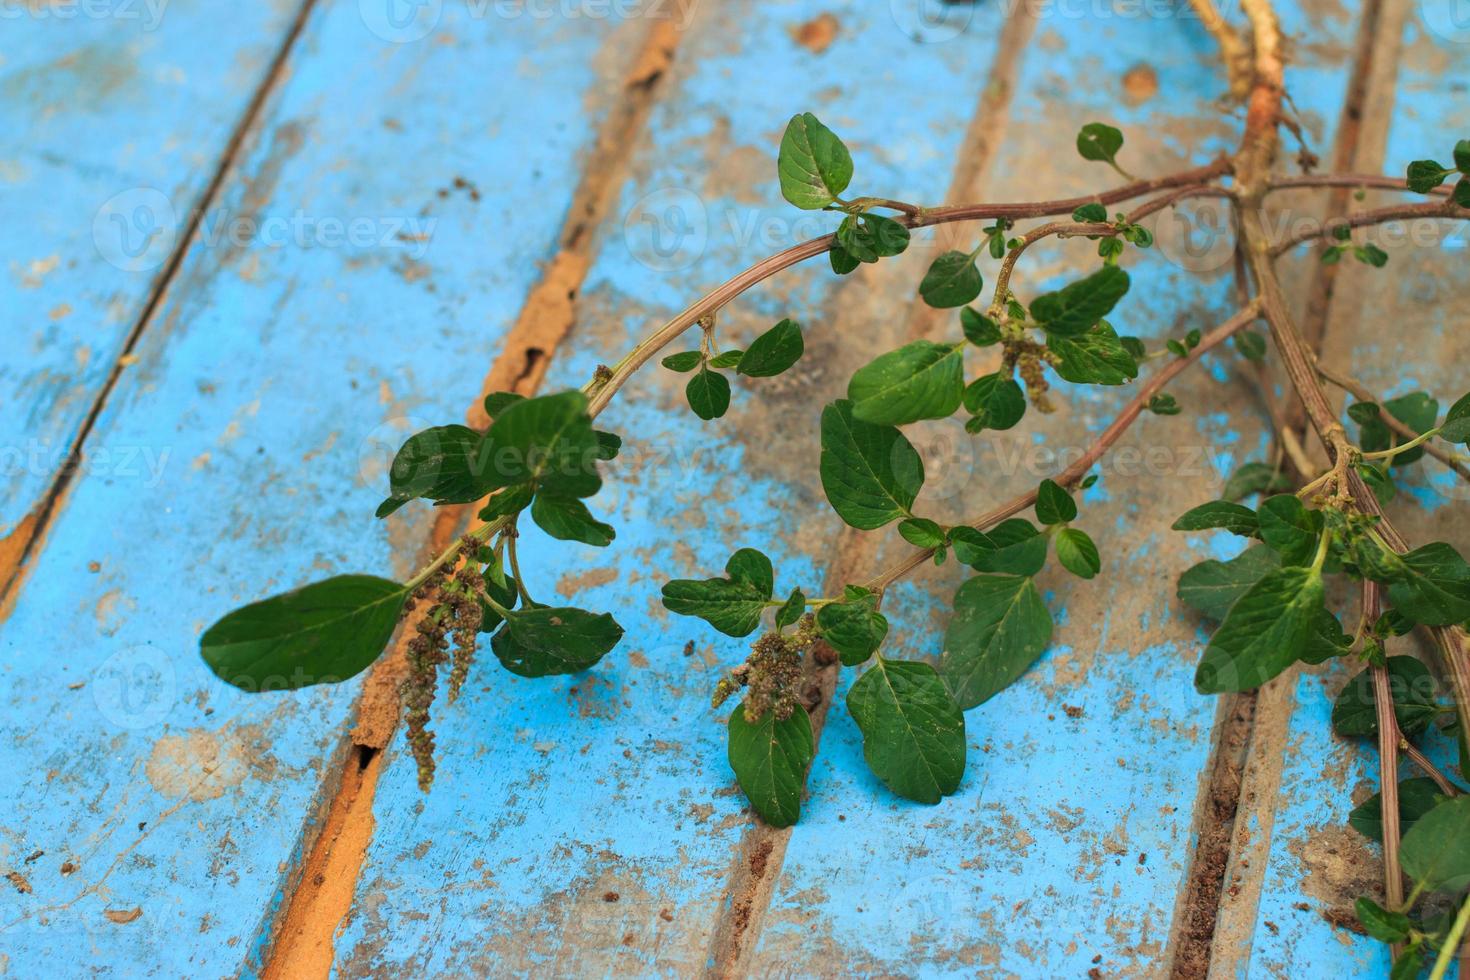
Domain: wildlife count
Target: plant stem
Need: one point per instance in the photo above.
(601, 392)
(1451, 942)
(1110, 435)
(1428, 768)
(1358, 390)
(1377, 216)
(1413, 443)
(1388, 765)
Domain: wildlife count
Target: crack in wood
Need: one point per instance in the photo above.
(301, 940)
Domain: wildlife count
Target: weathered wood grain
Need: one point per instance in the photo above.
(116, 119)
(1291, 912)
(588, 825)
(282, 371)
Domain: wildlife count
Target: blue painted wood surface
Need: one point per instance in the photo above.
(276, 381)
(116, 117)
(1311, 864)
(590, 825)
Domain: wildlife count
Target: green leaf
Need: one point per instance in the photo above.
(1077, 553)
(1408, 964)
(1436, 853)
(979, 329)
(1425, 175)
(995, 402)
(726, 359)
(1434, 588)
(853, 627)
(870, 237)
(1254, 478)
(870, 473)
(511, 500)
(1461, 193)
(1012, 547)
(921, 532)
(1327, 640)
(551, 640)
(1371, 254)
(1290, 529)
(952, 280)
(1381, 924)
(1417, 410)
(683, 361)
(568, 519)
(1213, 586)
(548, 440)
(1462, 157)
(813, 165)
(1099, 142)
(1234, 518)
(1378, 480)
(842, 262)
(770, 757)
(1416, 797)
(1252, 346)
(321, 633)
(1054, 505)
(1264, 632)
(1074, 309)
(773, 351)
(913, 731)
(498, 401)
(791, 610)
(921, 380)
(1097, 357)
(1456, 426)
(443, 464)
(732, 604)
(1413, 690)
(1000, 626)
(708, 393)
(1093, 212)
(1163, 404)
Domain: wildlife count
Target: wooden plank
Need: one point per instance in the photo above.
(117, 116)
(169, 809)
(552, 795)
(1070, 844)
(1306, 866)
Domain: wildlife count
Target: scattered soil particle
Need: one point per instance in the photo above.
(1140, 83)
(123, 916)
(817, 34)
(666, 915)
(1073, 710)
(1343, 919)
(758, 859)
(34, 857)
(609, 896)
(19, 881)
(68, 867)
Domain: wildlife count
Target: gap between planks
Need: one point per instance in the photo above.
(762, 849)
(300, 939)
(1215, 920)
(22, 544)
